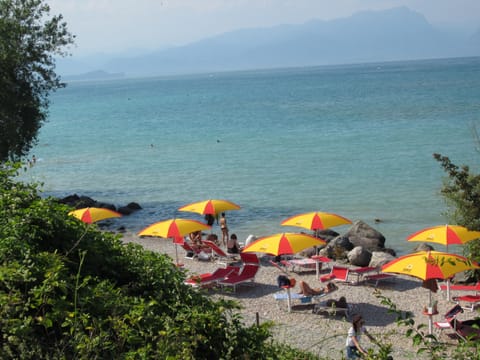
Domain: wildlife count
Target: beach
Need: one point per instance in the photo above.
(320, 333)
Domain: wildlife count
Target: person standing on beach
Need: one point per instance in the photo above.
(224, 228)
(353, 347)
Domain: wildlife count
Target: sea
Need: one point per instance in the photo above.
(355, 140)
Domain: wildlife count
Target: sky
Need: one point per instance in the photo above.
(114, 26)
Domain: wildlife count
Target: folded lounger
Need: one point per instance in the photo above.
(450, 319)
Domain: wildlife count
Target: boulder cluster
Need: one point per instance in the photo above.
(361, 245)
(79, 202)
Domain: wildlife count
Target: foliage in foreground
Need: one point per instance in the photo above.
(29, 41)
(102, 298)
(429, 344)
(461, 191)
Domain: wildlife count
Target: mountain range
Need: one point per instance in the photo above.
(368, 36)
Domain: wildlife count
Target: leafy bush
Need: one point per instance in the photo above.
(68, 290)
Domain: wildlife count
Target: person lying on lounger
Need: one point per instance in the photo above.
(306, 290)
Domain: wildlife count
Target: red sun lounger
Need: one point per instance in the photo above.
(247, 274)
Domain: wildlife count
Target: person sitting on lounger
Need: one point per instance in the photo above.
(306, 290)
(232, 245)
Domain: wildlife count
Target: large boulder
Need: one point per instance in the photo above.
(337, 248)
(380, 258)
(129, 208)
(361, 234)
(359, 256)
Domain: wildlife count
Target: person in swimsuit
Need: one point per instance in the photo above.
(224, 228)
(232, 245)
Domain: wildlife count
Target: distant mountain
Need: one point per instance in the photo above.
(94, 75)
(369, 36)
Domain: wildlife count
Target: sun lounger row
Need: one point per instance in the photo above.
(229, 276)
(208, 251)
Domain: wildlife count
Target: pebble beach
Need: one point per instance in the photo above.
(320, 333)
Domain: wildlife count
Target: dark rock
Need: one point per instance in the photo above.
(423, 247)
(105, 205)
(130, 208)
(134, 206)
(361, 234)
(70, 200)
(327, 235)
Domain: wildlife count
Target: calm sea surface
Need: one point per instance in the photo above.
(355, 140)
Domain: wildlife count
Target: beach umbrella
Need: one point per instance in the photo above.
(428, 265)
(445, 235)
(210, 207)
(175, 229)
(93, 214)
(284, 244)
(316, 220)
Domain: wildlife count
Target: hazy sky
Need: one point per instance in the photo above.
(116, 25)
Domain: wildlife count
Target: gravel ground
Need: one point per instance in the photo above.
(322, 334)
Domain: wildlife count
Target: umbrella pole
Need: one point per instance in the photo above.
(176, 255)
(430, 321)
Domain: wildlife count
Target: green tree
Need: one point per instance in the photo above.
(30, 38)
(461, 191)
(106, 299)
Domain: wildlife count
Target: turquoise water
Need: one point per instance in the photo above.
(355, 140)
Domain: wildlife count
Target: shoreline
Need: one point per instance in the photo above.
(320, 334)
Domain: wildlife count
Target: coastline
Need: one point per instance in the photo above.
(320, 334)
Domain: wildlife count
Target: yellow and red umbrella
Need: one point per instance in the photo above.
(93, 214)
(211, 206)
(427, 265)
(445, 235)
(175, 229)
(284, 244)
(316, 220)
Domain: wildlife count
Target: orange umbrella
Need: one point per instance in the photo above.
(175, 229)
(283, 244)
(92, 214)
(211, 206)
